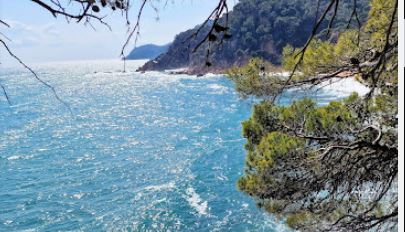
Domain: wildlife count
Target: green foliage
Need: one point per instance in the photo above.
(280, 147)
(267, 119)
(251, 78)
(259, 28)
(321, 56)
(346, 46)
(314, 165)
(295, 220)
(379, 19)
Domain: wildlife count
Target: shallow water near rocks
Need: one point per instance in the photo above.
(137, 152)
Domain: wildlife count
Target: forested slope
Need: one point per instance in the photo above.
(258, 28)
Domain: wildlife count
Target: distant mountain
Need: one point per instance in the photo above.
(147, 51)
(258, 28)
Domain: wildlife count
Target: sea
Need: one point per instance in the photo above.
(128, 151)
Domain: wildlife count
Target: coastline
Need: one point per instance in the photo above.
(337, 86)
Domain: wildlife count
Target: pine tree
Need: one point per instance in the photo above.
(333, 167)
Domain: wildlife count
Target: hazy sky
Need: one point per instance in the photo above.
(36, 36)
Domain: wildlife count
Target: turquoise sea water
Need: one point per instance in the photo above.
(139, 152)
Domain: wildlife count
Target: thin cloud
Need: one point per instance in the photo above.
(26, 35)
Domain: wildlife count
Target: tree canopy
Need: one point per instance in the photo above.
(255, 28)
(333, 167)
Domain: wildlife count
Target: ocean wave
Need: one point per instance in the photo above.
(161, 187)
(78, 195)
(196, 202)
(165, 77)
(218, 89)
(17, 157)
(343, 87)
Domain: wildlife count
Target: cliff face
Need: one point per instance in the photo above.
(259, 28)
(179, 54)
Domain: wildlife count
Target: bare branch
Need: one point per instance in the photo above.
(35, 75)
(5, 94)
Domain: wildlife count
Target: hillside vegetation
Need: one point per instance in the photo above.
(258, 28)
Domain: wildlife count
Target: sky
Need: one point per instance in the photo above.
(37, 37)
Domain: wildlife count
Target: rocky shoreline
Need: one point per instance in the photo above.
(196, 70)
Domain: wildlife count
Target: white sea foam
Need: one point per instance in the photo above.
(14, 157)
(175, 70)
(78, 195)
(17, 157)
(218, 89)
(210, 75)
(8, 222)
(196, 202)
(216, 86)
(344, 87)
(166, 186)
(222, 177)
(161, 77)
